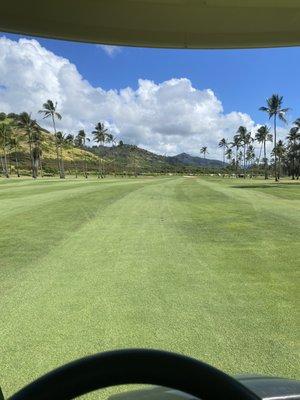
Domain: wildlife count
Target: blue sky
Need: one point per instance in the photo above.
(240, 79)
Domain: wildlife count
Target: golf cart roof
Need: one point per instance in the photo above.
(159, 23)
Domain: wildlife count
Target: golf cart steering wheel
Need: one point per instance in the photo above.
(135, 366)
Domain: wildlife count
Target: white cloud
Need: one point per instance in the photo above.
(111, 51)
(167, 117)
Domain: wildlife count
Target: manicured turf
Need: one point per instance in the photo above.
(201, 266)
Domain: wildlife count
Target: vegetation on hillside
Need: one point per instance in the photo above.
(26, 148)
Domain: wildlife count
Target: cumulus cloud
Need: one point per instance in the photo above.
(111, 51)
(167, 117)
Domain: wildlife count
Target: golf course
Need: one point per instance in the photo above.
(203, 266)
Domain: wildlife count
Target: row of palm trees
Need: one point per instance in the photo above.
(10, 140)
(101, 136)
(240, 150)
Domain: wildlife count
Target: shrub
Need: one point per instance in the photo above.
(50, 170)
(13, 115)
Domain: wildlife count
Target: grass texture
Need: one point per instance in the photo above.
(206, 267)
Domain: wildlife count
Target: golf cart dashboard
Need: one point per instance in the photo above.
(266, 387)
(171, 376)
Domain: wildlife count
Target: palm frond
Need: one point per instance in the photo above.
(281, 116)
(297, 122)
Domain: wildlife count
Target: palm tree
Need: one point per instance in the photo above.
(244, 139)
(293, 137)
(60, 141)
(81, 140)
(36, 152)
(49, 111)
(240, 157)
(237, 144)
(274, 109)
(262, 136)
(223, 145)
(15, 146)
(250, 153)
(5, 132)
(296, 147)
(100, 134)
(69, 142)
(29, 126)
(228, 153)
(203, 151)
(279, 151)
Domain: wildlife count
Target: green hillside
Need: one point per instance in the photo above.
(71, 155)
(121, 159)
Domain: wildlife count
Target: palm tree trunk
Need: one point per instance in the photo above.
(102, 165)
(244, 161)
(75, 164)
(4, 170)
(35, 164)
(9, 163)
(2, 165)
(41, 167)
(5, 162)
(35, 168)
(293, 170)
(62, 167)
(261, 146)
(265, 161)
(31, 158)
(17, 162)
(56, 146)
(85, 166)
(293, 163)
(57, 158)
(39, 161)
(82, 167)
(275, 156)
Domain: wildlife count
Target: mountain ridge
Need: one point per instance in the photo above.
(188, 159)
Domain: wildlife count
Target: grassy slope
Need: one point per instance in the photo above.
(126, 158)
(48, 148)
(202, 267)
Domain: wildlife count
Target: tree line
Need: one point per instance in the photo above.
(10, 140)
(239, 155)
(240, 151)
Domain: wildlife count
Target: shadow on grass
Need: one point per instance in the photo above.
(267, 185)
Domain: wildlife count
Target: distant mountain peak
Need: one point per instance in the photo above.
(189, 160)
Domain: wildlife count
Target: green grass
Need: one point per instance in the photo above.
(204, 267)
